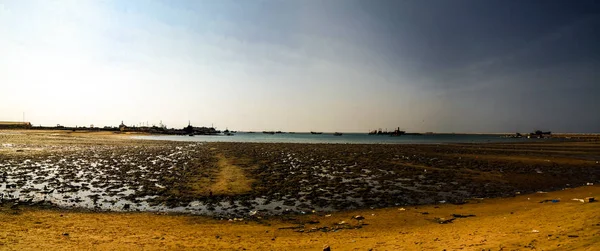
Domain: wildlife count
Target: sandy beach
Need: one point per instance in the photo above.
(61, 188)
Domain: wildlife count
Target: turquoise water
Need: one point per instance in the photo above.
(347, 138)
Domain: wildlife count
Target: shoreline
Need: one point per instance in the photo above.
(403, 192)
(521, 222)
(120, 174)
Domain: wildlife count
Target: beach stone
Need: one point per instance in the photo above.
(326, 247)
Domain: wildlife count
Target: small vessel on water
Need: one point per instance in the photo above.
(315, 132)
(338, 134)
(397, 133)
(268, 132)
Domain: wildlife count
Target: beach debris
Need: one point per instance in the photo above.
(586, 199)
(444, 220)
(463, 215)
(572, 236)
(359, 218)
(342, 223)
(590, 184)
(547, 200)
(328, 215)
(314, 222)
(535, 231)
(401, 209)
(326, 247)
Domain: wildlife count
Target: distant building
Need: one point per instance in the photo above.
(14, 125)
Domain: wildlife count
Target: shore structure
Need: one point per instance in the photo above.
(14, 125)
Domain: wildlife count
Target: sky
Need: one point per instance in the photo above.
(331, 65)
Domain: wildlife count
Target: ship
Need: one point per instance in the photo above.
(315, 132)
(397, 133)
(338, 134)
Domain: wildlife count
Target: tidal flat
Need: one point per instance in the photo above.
(112, 172)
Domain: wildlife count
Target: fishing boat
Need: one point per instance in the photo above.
(268, 132)
(315, 132)
(338, 134)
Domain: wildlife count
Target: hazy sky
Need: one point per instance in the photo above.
(337, 65)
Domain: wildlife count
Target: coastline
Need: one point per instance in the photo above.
(499, 224)
(306, 181)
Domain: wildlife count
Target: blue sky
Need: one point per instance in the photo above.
(338, 65)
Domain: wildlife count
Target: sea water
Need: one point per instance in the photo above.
(346, 138)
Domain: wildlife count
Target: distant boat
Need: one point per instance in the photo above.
(338, 134)
(229, 134)
(397, 133)
(191, 135)
(315, 132)
(268, 132)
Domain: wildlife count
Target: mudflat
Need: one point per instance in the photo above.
(293, 196)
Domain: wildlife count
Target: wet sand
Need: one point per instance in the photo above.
(517, 223)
